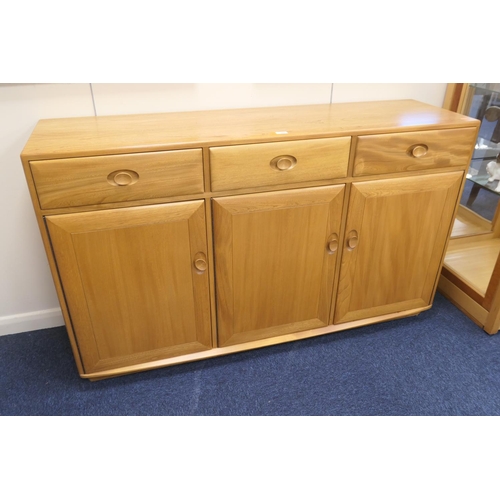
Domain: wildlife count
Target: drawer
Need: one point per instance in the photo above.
(74, 182)
(276, 163)
(408, 151)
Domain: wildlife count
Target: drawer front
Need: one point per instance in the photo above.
(77, 182)
(409, 151)
(276, 163)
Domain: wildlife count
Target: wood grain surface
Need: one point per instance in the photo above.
(90, 136)
(248, 166)
(128, 276)
(402, 227)
(78, 182)
(388, 153)
(274, 267)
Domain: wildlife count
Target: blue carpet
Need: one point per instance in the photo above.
(438, 363)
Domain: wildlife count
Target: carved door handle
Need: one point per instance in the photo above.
(333, 243)
(352, 240)
(200, 262)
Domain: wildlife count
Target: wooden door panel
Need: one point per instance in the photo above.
(401, 227)
(274, 273)
(133, 268)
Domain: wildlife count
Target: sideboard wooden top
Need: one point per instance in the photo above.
(90, 136)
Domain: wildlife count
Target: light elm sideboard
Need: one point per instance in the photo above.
(176, 237)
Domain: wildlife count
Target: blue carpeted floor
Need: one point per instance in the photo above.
(438, 363)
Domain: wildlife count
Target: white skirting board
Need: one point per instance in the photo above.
(27, 322)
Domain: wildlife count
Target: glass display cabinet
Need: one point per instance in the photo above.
(471, 272)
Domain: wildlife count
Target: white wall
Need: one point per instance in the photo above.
(27, 296)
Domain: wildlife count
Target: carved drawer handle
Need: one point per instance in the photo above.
(419, 150)
(123, 178)
(352, 240)
(283, 162)
(333, 243)
(200, 262)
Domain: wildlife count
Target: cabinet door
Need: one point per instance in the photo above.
(129, 277)
(394, 242)
(275, 259)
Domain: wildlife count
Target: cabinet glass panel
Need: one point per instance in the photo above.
(482, 189)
